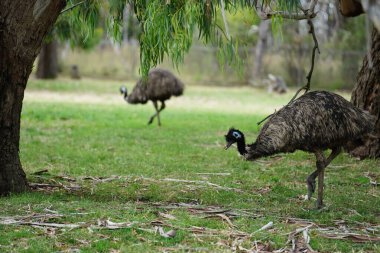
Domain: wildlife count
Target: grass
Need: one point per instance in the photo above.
(81, 129)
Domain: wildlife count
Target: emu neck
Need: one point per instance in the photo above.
(241, 147)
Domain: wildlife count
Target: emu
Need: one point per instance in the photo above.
(314, 122)
(160, 86)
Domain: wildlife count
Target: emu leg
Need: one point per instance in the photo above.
(311, 184)
(311, 178)
(158, 112)
(334, 153)
(321, 165)
(154, 115)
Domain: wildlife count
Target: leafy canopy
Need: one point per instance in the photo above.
(167, 26)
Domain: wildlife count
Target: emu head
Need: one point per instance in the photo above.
(123, 90)
(233, 136)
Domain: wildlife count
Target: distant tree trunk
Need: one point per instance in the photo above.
(350, 8)
(47, 67)
(23, 25)
(260, 49)
(350, 66)
(366, 95)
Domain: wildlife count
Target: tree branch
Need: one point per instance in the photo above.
(305, 14)
(308, 77)
(312, 5)
(287, 15)
(72, 7)
(225, 19)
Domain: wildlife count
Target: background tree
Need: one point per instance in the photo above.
(47, 66)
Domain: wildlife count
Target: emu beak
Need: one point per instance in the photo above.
(123, 90)
(228, 145)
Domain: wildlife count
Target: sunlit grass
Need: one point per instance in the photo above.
(102, 139)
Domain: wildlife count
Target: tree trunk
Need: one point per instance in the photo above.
(47, 67)
(23, 25)
(350, 8)
(260, 49)
(366, 95)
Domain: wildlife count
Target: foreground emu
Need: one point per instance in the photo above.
(316, 121)
(160, 86)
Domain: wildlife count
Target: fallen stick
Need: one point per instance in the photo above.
(201, 182)
(214, 174)
(40, 172)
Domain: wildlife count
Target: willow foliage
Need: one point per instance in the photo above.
(168, 26)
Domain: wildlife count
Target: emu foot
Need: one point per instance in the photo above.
(310, 187)
(150, 121)
(319, 204)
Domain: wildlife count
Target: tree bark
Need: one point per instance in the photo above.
(23, 25)
(366, 95)
(260, 48)
(350, 8)
(47, 67)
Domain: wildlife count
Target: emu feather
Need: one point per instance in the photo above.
(314, 122)
(160, 86)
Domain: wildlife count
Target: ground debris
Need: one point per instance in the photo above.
(334, 233)
(113, 225)
(207, 211)
(169, 234)
(372, 178)
(195, 182)
(300, 240)
(55, 185)
(214, 174)
(265, 227)
(102, 179)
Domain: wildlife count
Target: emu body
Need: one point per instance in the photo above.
(314, 122)
(159, 86)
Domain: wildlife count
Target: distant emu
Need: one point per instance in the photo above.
(160, 86)
(314, 122)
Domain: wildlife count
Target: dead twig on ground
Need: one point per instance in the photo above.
(196, 182)
(214, 174)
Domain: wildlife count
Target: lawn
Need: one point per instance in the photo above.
(104, 181)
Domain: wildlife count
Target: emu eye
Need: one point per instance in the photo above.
(236, 135)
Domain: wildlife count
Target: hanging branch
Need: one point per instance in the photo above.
(315, 48)
(225, 20)
(308, 77)
(305, 14)
(286, 15)
(72, 7)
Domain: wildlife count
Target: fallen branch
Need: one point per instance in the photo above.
(350, 236)
(40, 224)
(40, 172)
(214, 174)
(265, 227)
(196, 182)
(113, 225)
(223, 217)
(58, 185)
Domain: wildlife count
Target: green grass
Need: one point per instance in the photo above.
(79, 129)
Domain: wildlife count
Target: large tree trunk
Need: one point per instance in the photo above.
(47, 67)
(366, 95)
(23, 25)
